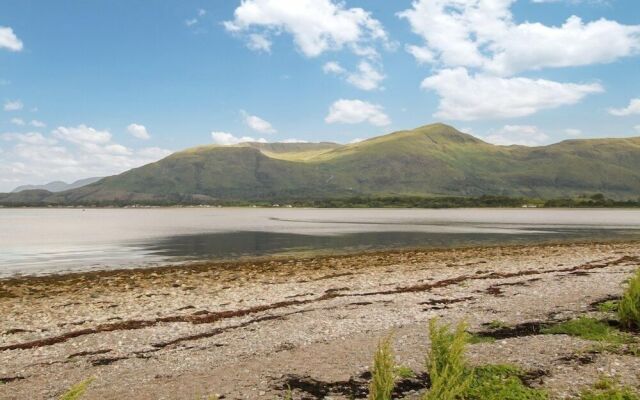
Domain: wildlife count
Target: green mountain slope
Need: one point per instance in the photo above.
(428, 161)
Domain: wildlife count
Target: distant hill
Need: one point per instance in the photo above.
(433, 160)
(57, 186)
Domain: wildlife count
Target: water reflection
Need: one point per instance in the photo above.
(225, 245)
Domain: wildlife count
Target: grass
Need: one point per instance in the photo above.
(629, 306)
(77, 390)
(608, 389)
(608, 306)
(383, 374)
(589, 329)
(500, 382)
(450, 377)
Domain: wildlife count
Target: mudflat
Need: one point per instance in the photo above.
(254, 328)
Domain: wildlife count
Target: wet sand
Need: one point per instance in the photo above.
(249, 329)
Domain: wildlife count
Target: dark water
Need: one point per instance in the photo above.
(242, 244)
(37, 241)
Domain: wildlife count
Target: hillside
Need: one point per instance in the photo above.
(57, 186)
(432, 160)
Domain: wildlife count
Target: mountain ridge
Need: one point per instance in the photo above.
(432, 160)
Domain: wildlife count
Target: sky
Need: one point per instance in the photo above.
(93, 88)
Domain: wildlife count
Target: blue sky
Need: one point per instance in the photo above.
(92, 88)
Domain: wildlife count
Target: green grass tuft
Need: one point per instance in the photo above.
(608, 389)
(446, 364)
(608, 306)
(383, 372)
(588, 328)
(405, 372)
(77, 390)
(629, 307)
(501, 382)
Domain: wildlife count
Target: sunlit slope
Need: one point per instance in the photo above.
(430, 160)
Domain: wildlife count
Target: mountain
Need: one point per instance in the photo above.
(57, 186)
(432, 160)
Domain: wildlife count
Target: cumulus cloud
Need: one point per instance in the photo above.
(138, 131)
(13, 105)
(469, 97)
(355, 112)
(37, 124)
(226, 139)
(483, 34)
(257, 124)
(316, 26)
(631, 109)
(82, 135)
(366, 77)
(481, 38)
(333, 67)
(17, 121)
(9, 40)
(572, 132)
(68, 153)
(257, 42)
(524, 135)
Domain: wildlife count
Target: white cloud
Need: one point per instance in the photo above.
(226, 139)
(138, 131)
(257, 124)
(68, 154)
(483, 34)
(37, 124)
(9, 40)
(153, 153)
(29, 138)
(465, 97)
(422, 54)
(193, 21)
(355, 112)
(524, 135)
(366, 77)
(316, 25)
(17, 121)
(82, 135)
(573, 132)
(637, 128)
(356, 140)
(257, 42)
(333, 67)
(632, 108)
(293, 140)
(13, 105)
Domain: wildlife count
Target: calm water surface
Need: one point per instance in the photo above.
(37, 241)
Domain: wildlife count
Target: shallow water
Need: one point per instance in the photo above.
(36, 241)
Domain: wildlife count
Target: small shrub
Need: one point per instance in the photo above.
(588, 328)
(500, 382)
(383, 373)
(450, 378)
(77, 390)
(629, 306)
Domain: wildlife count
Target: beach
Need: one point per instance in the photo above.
(253, 329)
